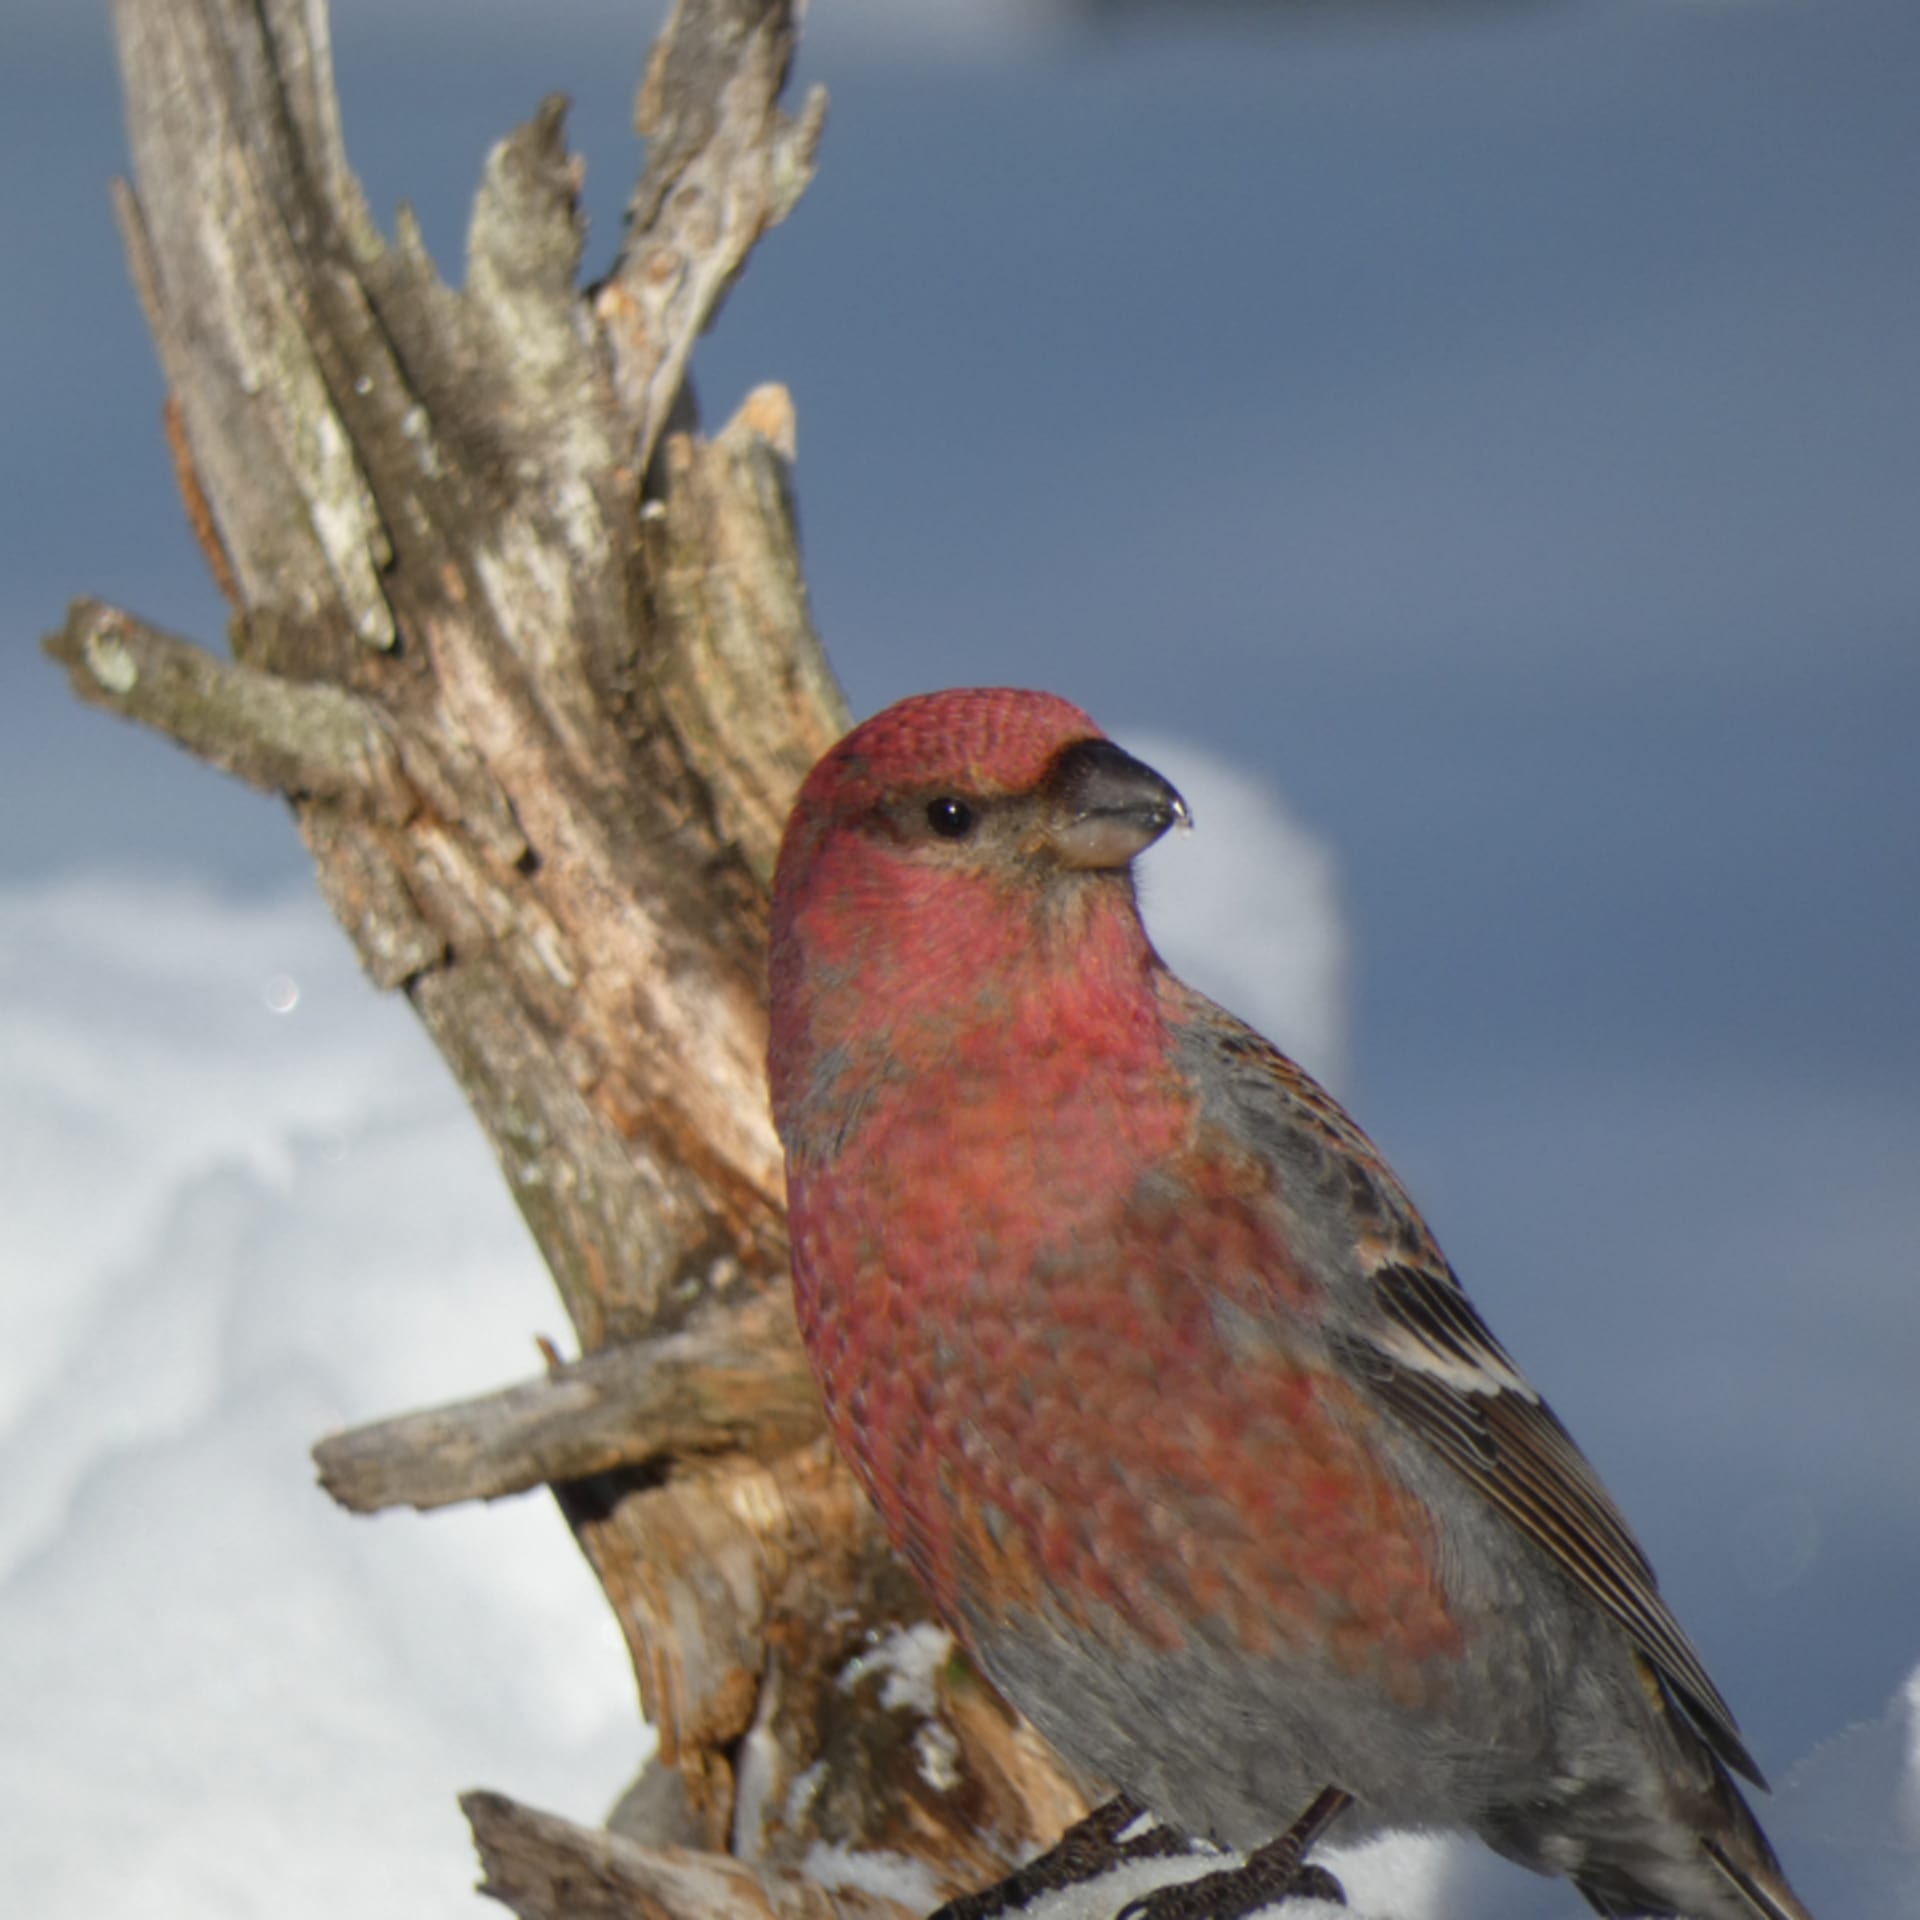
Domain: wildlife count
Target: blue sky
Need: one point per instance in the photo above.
(1502, 442)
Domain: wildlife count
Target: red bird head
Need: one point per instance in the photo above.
(946, 848)
(977, 777)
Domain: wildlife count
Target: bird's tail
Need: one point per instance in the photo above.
(1712, 1864)
(1757, 1879)
(1742, 1890)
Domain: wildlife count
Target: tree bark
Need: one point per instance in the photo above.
(531, 660)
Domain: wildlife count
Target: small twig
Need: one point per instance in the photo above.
(286, 736)
(544, 1868)
(724, 163)
(547, 1868)
(741, 1385)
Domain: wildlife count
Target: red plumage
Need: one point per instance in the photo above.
(1157, 1377)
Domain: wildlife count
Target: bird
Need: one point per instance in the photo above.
(1163, 1387)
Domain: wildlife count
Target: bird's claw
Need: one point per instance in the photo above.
(1278, 1871)
(1235, 1892)
(1084, 1852)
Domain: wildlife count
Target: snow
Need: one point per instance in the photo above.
(908, 1661)
(245, 1206)
(892, 1876)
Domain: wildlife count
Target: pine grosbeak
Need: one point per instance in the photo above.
(1162, 1385)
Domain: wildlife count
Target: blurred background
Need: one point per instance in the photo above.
(1481, 442)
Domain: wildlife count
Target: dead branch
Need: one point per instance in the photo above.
(740, 1385)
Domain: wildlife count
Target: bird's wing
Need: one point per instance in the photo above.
(1406, 1329)
(1433, 1362)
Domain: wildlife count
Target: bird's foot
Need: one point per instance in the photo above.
(1238, 1891)
(1089, 1848)
(1278, 1871)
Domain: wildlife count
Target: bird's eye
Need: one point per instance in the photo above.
(951, 819)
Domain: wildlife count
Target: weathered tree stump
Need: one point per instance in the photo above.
(531, 661)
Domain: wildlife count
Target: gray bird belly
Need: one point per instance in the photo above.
(1233, 1747)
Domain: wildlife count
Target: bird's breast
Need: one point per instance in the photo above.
(1080, 1373)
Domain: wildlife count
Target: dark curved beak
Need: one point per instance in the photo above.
(1108, 806)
